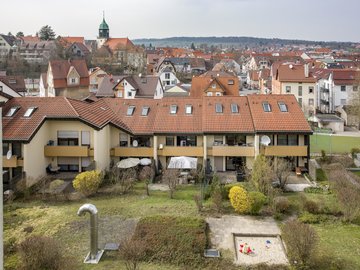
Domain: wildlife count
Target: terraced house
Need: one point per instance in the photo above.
(226, 131)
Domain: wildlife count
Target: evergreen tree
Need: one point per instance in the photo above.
(46, 33)
(19, 34)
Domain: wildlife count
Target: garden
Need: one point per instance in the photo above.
(167, 229)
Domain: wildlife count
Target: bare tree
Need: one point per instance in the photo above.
(147, 174)
(262, 174)
(124, 177)
(282, 171)
(170, 177)
(131, 252)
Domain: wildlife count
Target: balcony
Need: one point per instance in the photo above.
(133, 152)
(324, 89)
(13, 162)
(231, 151)
(285, 150)
(66, 151)
(176, 151)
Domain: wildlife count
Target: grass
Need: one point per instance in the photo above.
(333, 144)
(341, 242)
(60, 221)
(356, 173)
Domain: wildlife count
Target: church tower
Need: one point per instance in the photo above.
(103, 33)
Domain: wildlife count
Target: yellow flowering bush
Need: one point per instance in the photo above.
(239, 199)
(87, 182)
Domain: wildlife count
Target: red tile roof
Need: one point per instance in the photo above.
(277, 121)
(119, 43)
(294, 73)
(60, 70)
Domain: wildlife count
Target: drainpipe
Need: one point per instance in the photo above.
(91, 209)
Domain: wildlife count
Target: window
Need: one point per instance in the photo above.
(12, 81)
(218, 108)
(292, 140)
(282, 107)
(129, 94)
(167, 76)
(311, 89)
(1, 88)
(12, 111)
(119, 94)
(230, 82)
(186, 141)
(355, 88)
(300, 101)
(170, 141)
(213, 85)
(141, 141)
(130, 110)
(288, 89)
(343, 88)
(173, 109)
(188, 109)
(68, 138)
(234, 108)
(85, 138)
(266, 107)
(311, 101)
(218, 140)
(73, 80)
(343, 101)
(282, 140)
(209, 94)
(145, 111)
(29, 111)
(300, 91)
(123, 140)
(218, 94)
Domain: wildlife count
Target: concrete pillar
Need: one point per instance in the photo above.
(156, 153)
(257, 145)
(205, 150)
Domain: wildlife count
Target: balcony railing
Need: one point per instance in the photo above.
(12, 162)
(66, 151)
(192, 151)
(132, 152)
(285, 150)
(231, 151)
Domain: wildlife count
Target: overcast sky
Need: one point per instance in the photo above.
(326, 20)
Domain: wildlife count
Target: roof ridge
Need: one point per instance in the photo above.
(73, 108)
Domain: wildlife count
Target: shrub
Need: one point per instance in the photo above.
(176, 240)
(262, 174)
(317, 190)
(10, 245)
(170, 177)
(131, 252)
(198, 202)
(226, 189)
(311, 207)
(300, 241)
(281, 204)
(354, 151)
(257, 200)
(56, 184)
(40, 252)
(320, 175)
(239, 199)
(87, 182)
(309, 218)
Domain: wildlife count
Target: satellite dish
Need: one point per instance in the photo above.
(135, 143)
(9, 154)
(161, 146)
(265, 140)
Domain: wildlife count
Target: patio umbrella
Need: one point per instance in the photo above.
(145, 161)
(128, 163)
(182, 163)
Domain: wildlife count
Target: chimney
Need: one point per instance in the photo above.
(306, 70)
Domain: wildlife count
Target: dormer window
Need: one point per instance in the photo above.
(12, 111)
(12, 81)
(283, 107)
(218, 108)
(130, 110)
(209, 94)
(145, 111)
(29, 111)
(188, 109)
(266, 107)
(173, 109)
(234, 108)
(230, 82)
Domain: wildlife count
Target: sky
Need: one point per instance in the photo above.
(320, 20)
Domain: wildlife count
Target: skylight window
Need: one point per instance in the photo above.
(218, 108)
(234, 108)
(130, 110)
(12, 111)
(29, 111)
(283, 107)
(266, 107)
(173, 109)
(145, 111)
(188, 109)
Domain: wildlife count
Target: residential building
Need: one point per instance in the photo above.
(96, 75)
(37, 52)
(69, 78)
(214, 83)
(15, 83)
(226, 132)
(7, 44)
(168, 78)
(298, 80)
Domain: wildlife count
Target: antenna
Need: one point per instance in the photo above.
(265, 140)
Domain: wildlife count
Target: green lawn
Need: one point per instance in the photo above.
(333, 144)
